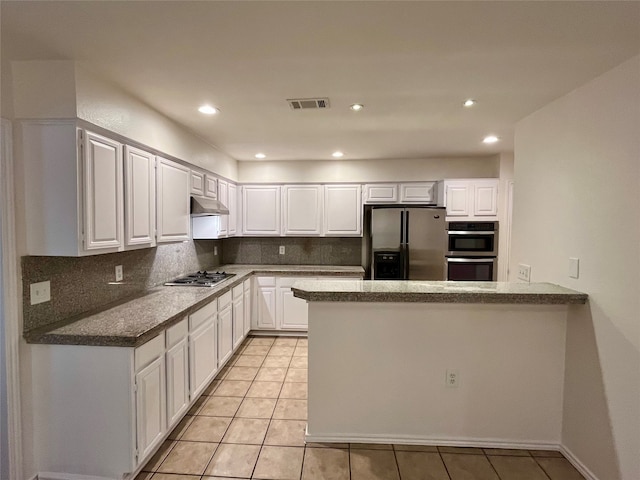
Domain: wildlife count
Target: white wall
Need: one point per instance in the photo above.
(577, 179)
(368, 170)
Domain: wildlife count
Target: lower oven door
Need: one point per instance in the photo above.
(462, 269)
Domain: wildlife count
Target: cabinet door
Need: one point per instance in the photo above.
(265, 298)
(223, 196)
(177, 381)
(203, 359)
(458, 198)
(103, 195)
(225, 334)
(173, 201)
(197, 183)
(261, 210)
(238, 322)
(302, 210)
(342, 210)
(232, 205)
(485, 198)
(422, 192)
(140, 197)
(247, 306)
(210, 186)
(150, 406)
(292, 312)
(381, 193)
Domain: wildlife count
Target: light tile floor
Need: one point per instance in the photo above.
(250, 423)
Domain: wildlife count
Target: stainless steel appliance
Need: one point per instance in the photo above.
(472, 239)
(472, 249)
(404, 242)
(200, 279)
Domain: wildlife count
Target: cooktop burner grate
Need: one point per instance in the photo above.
(201, 279)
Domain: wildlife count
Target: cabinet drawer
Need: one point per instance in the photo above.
(147, 353)
(224, 300)
(177, 332)
(198, 318)
(266, 281)
(237, 291)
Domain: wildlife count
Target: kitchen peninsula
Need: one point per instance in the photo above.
(447, 363)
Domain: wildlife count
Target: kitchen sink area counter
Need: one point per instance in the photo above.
(134, 322)
(436, 292)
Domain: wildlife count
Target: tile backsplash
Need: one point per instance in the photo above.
(85, 284)
(298, 251)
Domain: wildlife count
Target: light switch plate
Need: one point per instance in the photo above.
(574, 267)
(40, 292)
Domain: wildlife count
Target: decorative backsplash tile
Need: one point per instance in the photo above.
(298, 251)
(84, 284)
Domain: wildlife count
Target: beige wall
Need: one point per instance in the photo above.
(577, 178)
(368, 170)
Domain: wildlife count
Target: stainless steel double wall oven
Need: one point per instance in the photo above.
(472, 251)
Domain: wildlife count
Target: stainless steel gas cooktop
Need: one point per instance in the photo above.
(201, 279)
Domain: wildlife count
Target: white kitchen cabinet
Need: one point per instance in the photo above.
(232, 205)
(203, 344)
(418, 192)
(292, 313)
(225, 328)
(342, 210)
(139, 197)
(302, 210)
(261, 210)
(151, 411)
(210, 186)
(265, 308)
(471, 198)
(103, 179)
(223, 197)
(381, 193)
(197, 183)
(173, 201)
(238, 315)
(177, 359)
(247, 306)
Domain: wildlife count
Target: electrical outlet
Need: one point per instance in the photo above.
(119, 273)
(452, 379)
(40, 292)
(215, 250)
(281, 250)
(524, 272)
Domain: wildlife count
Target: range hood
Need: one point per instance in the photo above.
(205, 207)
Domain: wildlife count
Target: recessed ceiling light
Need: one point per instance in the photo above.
(490, 139)
(208, 110)
(356, 107)
(260, 156)
(337, 154)
(470, 102)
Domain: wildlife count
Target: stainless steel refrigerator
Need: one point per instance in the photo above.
(404, 243)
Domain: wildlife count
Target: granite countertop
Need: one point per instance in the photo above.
(435, 292)
(138, 320)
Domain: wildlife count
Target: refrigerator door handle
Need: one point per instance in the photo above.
(405, 257)
(402, 237)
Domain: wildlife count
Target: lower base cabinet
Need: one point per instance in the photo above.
(225, 328)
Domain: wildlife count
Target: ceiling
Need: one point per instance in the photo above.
(411, 64)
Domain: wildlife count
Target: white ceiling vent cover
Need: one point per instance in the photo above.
(307, 103)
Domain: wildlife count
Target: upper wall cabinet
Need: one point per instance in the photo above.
(139, 197)
(410, 192)
(342, 210)
(471, 198)
(381, 193)
(197, 183)
(173, 201)
(232, 205)
(73, 189)
(223, 197)
(302, 210)
(210, 186)
(260, 210)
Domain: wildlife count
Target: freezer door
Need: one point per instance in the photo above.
(427, 243)
(386, 228)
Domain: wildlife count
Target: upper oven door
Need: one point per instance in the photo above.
(472, 244)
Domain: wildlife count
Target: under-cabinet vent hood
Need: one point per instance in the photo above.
(204, 207)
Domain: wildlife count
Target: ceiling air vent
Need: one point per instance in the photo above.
(306, 103)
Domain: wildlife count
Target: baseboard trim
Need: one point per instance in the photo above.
(581, 467)
(443, 441)
(68, 476)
